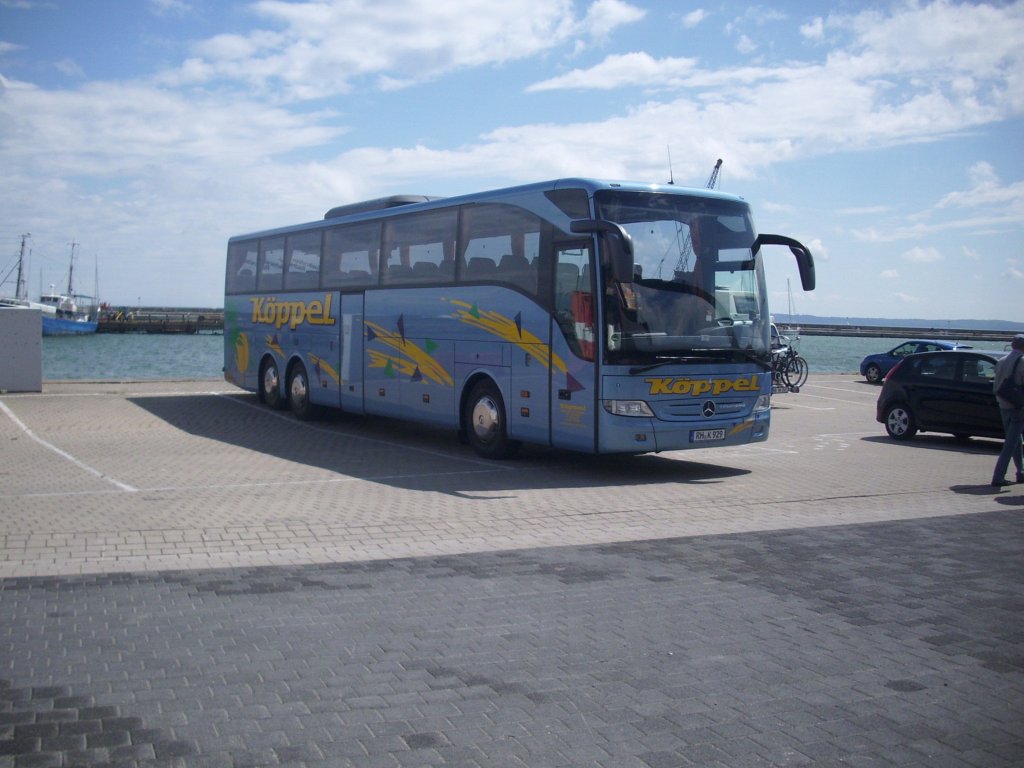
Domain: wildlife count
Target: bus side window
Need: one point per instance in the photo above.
(303, 259)
(242, 260)
(351, 256)
(271, 272)
(418, 248)
(501, 244)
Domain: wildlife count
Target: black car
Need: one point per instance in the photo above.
(947, 391)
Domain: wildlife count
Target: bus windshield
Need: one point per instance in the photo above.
(697, 291)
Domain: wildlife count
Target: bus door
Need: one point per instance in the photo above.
(574, 339)
(350, 362)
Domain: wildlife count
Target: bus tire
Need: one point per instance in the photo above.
(486, 423)
(298, 393)
(270, 384)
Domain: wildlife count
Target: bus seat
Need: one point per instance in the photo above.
(567, 277)
(514, 263)
(397, 272)
(480, 267)
(517, 269)
(359, 276)
(425, 270)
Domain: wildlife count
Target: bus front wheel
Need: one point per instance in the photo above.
(270, 384)
(486, 423)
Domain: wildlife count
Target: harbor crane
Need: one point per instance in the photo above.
(713, 178)
(683, 235)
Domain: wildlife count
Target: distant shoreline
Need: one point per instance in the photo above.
(896, 332)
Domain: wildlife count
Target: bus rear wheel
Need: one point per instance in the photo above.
(298, 393)
(270, 384)
(486, 424)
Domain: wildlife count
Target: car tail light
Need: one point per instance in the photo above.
(892, 371)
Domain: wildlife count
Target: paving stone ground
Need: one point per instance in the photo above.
(189, 590)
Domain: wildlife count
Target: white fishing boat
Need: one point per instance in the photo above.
(64, 314)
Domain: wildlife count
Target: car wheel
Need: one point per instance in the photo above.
(873, 374)
(899, 422)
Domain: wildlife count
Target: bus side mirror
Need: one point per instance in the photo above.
(804, 259)
(618, 246)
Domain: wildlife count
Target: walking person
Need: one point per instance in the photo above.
(1013, 416)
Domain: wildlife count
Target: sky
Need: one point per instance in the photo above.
(887, 136)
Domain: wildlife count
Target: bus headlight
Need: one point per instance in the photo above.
(764, 403)
(628, 408)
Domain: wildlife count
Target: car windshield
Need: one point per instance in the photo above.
(696, 291)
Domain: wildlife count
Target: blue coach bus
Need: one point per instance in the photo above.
(595, 316)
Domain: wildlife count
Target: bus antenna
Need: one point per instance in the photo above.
(671, 180)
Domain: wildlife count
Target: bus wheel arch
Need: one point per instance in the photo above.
(484, 419)
(298, 389)
(270, 383)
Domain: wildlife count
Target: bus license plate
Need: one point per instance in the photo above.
(707, 435)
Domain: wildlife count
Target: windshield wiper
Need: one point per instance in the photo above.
(661, 362)
(708, 355)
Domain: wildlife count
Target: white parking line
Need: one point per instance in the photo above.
(790, 404)
(63, 454)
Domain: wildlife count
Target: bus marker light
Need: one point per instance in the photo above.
(524, 412)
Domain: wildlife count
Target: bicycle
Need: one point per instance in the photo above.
(789, 370)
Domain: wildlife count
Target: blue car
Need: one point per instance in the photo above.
(875, 367)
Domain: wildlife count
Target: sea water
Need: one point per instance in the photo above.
(133, 356)
(139, 356)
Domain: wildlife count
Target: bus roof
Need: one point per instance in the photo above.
(383, 206)
(379, 204)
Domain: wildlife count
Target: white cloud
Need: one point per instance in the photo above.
(846, 102)
(604, 16)
(922, 255)
(821, 253)
(169, 7)
(622, 70)
(868, 94)
(868, 210)
(889, 274)
(317, 49)
(987, 191)
(745, 44)
(906, 298)
(813, 30)
(69, 67)
(693, 18)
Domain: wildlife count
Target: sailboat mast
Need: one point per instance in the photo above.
(71, 268)
(19, 288)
